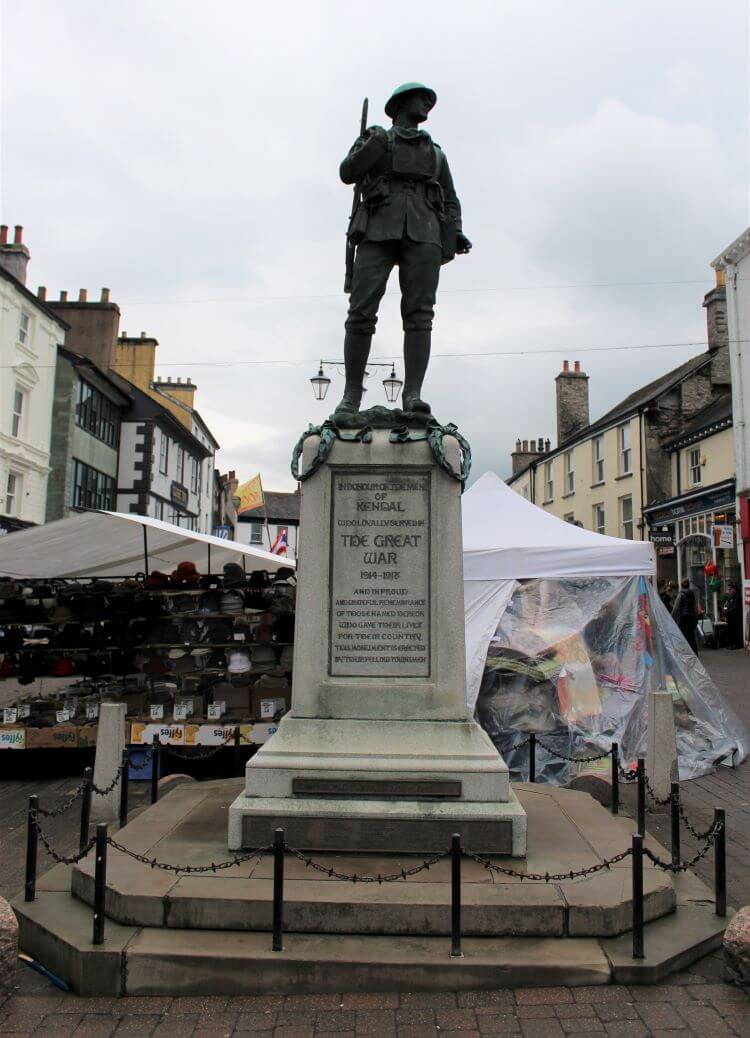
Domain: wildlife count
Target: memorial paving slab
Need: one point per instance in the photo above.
(695, 1001)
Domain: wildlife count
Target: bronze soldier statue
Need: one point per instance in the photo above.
(408, 216)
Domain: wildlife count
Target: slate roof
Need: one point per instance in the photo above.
(279, 507)
(716, 415)
(651, 391)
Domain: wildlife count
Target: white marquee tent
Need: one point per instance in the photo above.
(505, 539)
(114, 544)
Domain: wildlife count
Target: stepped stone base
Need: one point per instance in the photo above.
(209, 934)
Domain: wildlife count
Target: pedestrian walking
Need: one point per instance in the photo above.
(686, 611)
(732, 612)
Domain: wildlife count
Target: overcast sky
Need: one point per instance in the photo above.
(186, 156)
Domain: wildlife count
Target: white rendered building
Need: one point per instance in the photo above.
(30, 333)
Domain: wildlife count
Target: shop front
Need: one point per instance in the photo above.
(693, 530)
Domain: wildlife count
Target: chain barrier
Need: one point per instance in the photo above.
(55, 812)
(691, 828)
(547, 877)
(61, 859)
(660, 801)
(356, 877)
(215, 866)
(667, 866)
(211, 751)
(573, 760)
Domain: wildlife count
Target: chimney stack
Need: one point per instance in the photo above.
(572, 401)
(83, 295)
(715, 304)
(105, 295)
(14, 257)
(63, 296)
(41, 293)
(527, 451)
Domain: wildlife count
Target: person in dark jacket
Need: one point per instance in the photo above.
(409, 217)
(732, 612)
(685, 612)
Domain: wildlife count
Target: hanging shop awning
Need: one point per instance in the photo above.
(114, 544)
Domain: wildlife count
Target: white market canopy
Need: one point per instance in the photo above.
(116, 544)
(506, 537)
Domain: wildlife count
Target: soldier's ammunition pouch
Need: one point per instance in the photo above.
(358, 225)
(376, 191)
(448, 237)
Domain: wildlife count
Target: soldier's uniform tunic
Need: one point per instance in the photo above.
(407, 191)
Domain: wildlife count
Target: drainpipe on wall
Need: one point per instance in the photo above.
(642, 524)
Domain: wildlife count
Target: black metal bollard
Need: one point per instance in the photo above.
(100, 881)
(637, 896)
(278, 890)
(456, 895)
(31, 847)
(124, 789)
(641, 773)
(83, 836)
(615, 751)
(720, 863)
(237, 751)
(155, 768)
(674, 808)
(532, 757)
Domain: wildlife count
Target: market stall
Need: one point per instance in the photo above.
(565, 635)
(193, 633)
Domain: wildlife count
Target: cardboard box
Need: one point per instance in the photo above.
(62, 736)
(12, 738)
(87, 735)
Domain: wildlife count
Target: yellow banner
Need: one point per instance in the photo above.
(250, 495)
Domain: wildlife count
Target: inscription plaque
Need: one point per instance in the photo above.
(380, 573)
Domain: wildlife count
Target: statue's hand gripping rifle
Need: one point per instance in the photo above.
(350, 246)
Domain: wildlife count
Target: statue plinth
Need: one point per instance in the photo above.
(379, 751)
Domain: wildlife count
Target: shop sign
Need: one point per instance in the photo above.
(723, 536)
(746, 589)
(178, 493)
(666, 552)
(708, 502)
(222, 532)
(662, 538)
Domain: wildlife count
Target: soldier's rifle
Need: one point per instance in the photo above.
(351, 248)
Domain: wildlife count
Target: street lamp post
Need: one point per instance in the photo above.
(392, 384)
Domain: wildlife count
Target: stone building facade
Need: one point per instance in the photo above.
(622, 474)
(159, 460)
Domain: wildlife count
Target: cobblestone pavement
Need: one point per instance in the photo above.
(695, 1002)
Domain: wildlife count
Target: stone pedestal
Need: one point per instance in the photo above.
(379, 751)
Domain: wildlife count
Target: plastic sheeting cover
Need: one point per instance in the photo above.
(573, 659)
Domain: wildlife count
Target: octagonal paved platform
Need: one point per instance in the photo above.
(201, 933)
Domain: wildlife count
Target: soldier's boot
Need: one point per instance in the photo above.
(416, 357)
(356, 352)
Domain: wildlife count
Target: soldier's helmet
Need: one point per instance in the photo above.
(391, 105)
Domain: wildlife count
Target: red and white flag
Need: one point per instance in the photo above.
(279, 545)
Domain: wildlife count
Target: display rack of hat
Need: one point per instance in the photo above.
(174, 637)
